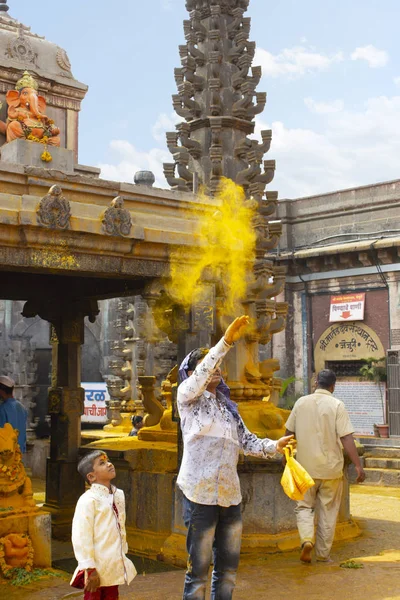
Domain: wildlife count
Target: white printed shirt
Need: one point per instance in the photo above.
(213, 438)
(99, 536)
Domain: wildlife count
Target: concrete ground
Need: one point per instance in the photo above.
(283, 576)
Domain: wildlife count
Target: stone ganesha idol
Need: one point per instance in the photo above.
(26, 114)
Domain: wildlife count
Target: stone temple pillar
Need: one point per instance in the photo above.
(66, 400)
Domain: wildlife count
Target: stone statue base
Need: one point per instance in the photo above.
(24, 152)
(269, 521)
(149, 469)
(124, 427)
(165, 431)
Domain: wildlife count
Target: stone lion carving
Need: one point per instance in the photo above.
(15, 486)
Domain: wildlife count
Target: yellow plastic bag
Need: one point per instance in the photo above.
(295, 479)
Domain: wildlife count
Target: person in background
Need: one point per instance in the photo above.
(322, 426)
(12, 411)
(137, 422)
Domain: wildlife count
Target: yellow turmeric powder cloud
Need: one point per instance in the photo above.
(225, 250)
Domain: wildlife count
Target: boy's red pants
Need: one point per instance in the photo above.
(103, 593)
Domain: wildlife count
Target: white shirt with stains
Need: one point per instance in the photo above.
(213, 438)
(99, 536)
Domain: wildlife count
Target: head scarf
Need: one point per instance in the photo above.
(223, 390)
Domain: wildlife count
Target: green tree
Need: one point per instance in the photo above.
(374, 370)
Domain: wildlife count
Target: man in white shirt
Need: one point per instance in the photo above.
(322, 426)
(213, 434)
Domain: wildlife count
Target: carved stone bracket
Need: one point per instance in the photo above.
(54, 209)
(279, 323)
(176, 183)
(64, 315)
(265, 310)
(268, 207)
(153, 408)
(117, 220)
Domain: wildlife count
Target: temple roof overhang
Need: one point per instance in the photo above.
(22, 49)
(103, 236)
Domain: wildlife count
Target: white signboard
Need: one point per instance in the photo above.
(95, 410)
(347, 307)
(363, 401)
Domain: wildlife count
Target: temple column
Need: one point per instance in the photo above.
(64, 485)
(66, 401)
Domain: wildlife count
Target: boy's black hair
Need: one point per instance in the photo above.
(195, 356)
(85, 465)
(325, 379)
(6, 389)
(136, 419)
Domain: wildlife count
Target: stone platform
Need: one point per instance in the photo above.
(28, 154)
(147, 473)
(24, 152)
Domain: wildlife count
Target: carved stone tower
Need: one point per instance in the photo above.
(217, 97)
(218, 101)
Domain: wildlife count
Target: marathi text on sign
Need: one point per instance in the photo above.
(347, 307)
(95, 408)
(358, 332)
(364, 401)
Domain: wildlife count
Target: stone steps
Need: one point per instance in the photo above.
(381, 452)
(385, 477)
(382, 463)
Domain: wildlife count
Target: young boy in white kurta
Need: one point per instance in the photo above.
(98, 532)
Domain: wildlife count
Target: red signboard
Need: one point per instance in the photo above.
(347, 307)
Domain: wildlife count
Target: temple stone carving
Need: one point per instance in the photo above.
(21, 49)
(117, 220)
(218, 101)
(54, 209)
(122, 377)
(140, 357)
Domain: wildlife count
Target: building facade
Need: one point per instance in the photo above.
(341, 252)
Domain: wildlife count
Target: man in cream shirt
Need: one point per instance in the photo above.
(322, 426)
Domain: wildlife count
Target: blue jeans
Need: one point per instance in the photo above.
(213, 532)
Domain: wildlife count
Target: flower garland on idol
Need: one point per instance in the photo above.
(47, 133)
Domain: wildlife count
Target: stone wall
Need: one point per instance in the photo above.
(367, 209)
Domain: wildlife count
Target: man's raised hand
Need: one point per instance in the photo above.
(236, 329)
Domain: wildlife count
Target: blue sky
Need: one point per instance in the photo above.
(331, 71)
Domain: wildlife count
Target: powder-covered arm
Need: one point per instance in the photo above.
(253, 445)
(190, 389)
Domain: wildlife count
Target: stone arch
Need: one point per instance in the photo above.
(347, 341)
